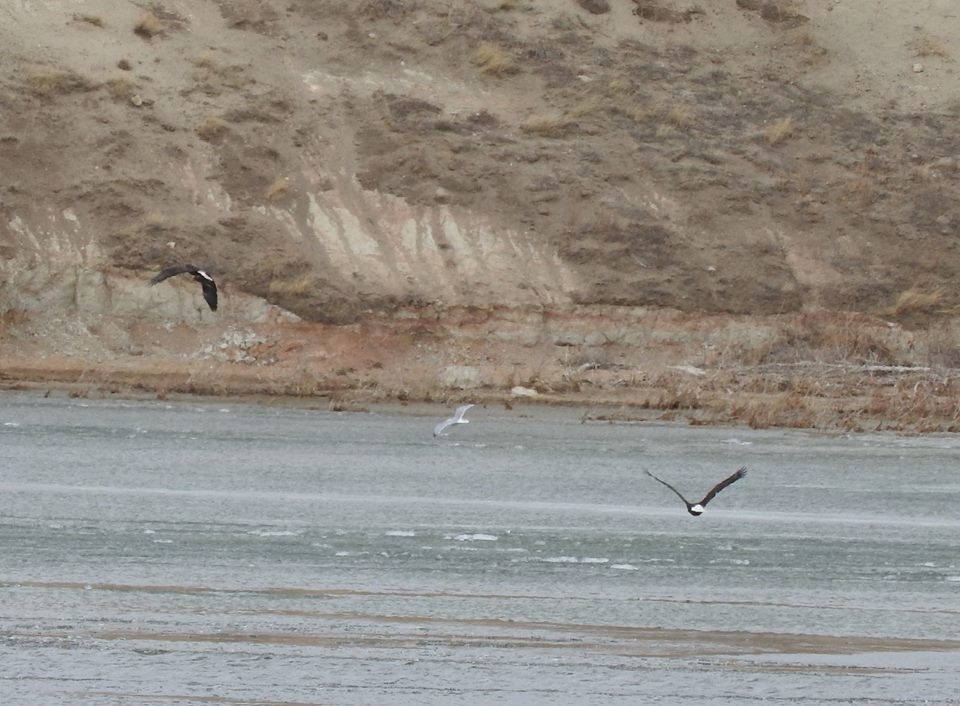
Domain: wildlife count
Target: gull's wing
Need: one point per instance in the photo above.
(171, 271)
(457, 418)
(737, 475)
(441, 426)
(209, 292)
(679, 495)
(461, 410)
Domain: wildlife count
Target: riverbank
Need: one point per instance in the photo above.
(830, 397)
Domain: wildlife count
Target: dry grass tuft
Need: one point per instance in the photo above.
(677, 116)
(278, 190)
(93, 20)
(831, 338)
(595, 7)
(785, 410)
(212, 79)
(929, 46)
(549, 125)
(656, 11)
(941, 345)
(212, 129)
(673, 393)
(120, 89)
(859, 193)
(13, 318)
(292, 287)
(204, 61)
(916, 300)
(154, 218)
(493, 59)
(779, 132)
(59, 83)
(148, 26)
(916, 405)
(156, 223)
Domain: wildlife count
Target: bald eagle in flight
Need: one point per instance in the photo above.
(696, 509)
(205, 280)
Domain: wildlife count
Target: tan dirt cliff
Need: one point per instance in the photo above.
(737, 211)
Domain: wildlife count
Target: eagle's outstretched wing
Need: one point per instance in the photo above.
(737, 475)
(171, 271)
(679, 495)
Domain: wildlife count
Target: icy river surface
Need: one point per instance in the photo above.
(213, 552)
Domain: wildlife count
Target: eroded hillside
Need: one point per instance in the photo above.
(460, 175)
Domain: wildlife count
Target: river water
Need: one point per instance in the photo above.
(216, 552)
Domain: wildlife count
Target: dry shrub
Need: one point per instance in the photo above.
(786, 410)
(677, 116)
(59, 83)
(204, 61)
(779, 11)
(859, 193)
(829, 337)
(929, 46)
(595, 7)
(298, 286)
(212, 129)
(375, 9)
(618, 87)
(655, 11)
(807, 43)
(12, 318)
(148, 26)
(120, 89)
(916, 405)
(493, 59)
(279, 189)
(917, 300)
(549, 126)
(779, 132)
(93, 20)
(674, 394)
(941, 345)
(212, 79)
(856, 345)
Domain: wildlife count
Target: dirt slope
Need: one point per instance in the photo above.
(411, 166)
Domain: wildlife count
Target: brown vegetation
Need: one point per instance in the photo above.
(58, 83)
(779, 132)
(279, 189)
(493, 59)
(93, 20)
(212, 129)
(928, 45)
(120, 89)
(148, 26)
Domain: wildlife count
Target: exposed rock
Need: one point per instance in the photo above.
(461, 377)
(521, 391)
